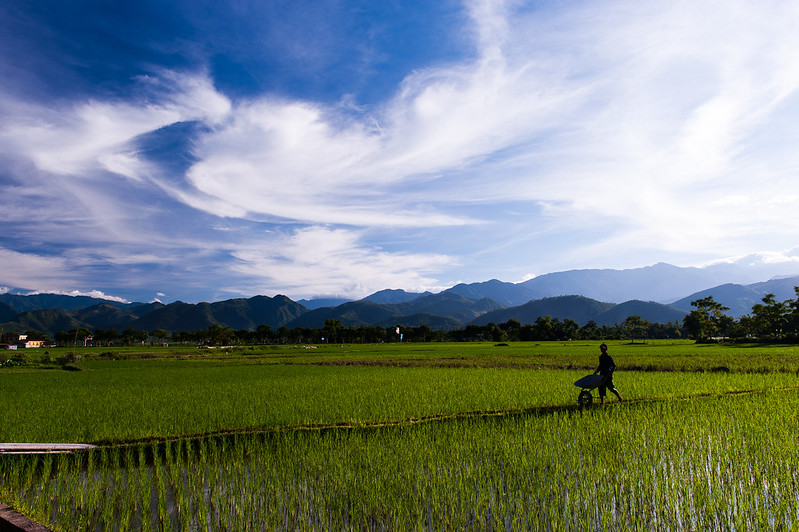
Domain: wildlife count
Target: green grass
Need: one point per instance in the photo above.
(330, 438)
(665, 355)
(717, 463)
(112, 402)
(162, 393)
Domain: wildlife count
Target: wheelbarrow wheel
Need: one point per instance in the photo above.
(585, 398)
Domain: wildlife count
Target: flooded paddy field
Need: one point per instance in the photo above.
(370, 447)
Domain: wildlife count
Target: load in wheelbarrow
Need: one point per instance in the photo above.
(587, 384)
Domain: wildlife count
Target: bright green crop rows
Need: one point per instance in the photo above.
(111, 403)
(302, 439)
(661, 355)
(717, 463)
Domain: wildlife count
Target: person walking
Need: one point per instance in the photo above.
(606, 368)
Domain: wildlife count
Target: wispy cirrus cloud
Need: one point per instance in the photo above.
(675, 116)
(642, 115)
(581, 135)
(334, 262)
(31, 269)
(82, 138)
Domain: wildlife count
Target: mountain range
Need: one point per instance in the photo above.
(656, 293)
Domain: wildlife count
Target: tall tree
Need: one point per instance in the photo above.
(263, 333)
(332, 330)
(792, 326)
(770, 318)
(704, 321)
(159, 335)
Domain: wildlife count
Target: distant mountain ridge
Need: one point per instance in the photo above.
(7, 312)
(316, 303)
(178, 316)
(660, 282)
(457, 308)
(739, 298)
(507, 294)
(572, 295)
(578, 308)
(582, 310)
(443, 311)
(395, 296)
(236, 313)
(22, 303)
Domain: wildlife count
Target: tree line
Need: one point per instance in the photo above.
(333, 331)
(769, 320)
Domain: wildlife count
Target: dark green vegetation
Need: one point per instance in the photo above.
(129, 394)
(434, 317)
(769, 321)
(723, 463)
(407, 436)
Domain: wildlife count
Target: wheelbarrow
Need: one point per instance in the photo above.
(586, 384)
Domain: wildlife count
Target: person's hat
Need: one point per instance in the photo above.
(603, 346)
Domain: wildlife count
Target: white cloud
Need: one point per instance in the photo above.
(96, 294)
(32, 271)
(676, 94)
(636, 129)
(288, 160)
(79, 139)
(637, 114)
(325, 261)
(616, 111)
(301, 161)
(790, 256)
(71, 141)
(126, 164)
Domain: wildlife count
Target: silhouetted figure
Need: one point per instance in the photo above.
(606, 368)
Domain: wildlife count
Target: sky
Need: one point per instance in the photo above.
(201, 150)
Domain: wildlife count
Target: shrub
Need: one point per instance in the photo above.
(21, 359)
(67, 358)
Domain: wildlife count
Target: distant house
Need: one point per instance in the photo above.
(32, 344)
(21, 342)
(27, 344)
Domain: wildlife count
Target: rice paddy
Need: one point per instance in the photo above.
(229, 444)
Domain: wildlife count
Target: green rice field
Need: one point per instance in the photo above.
(408, 437)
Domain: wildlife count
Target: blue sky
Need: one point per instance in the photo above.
(203, 150)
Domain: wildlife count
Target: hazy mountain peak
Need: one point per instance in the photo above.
(390, 295)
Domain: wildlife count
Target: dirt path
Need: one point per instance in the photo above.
(13, 521)
(42, 448)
